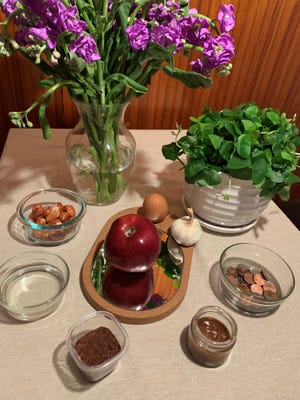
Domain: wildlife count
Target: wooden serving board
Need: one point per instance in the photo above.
(125, 315)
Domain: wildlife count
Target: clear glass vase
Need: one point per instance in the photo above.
(100, 153)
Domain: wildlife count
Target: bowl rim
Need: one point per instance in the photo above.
(78, 217)
(110, 361)
(256, 300)
(46, 303)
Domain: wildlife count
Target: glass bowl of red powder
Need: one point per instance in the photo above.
(96, 344)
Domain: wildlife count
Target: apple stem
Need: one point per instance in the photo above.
(130, 231)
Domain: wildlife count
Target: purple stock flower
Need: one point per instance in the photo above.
(55, 15)
(159, 13)
(38, 7)
(194, 30)
(217, 51)
(226, 18)
(166, 36)
(52, 18)
(198, 66)
(85, 47)
(138, 35)
(64, 19)
(35, 34)
(9, 6)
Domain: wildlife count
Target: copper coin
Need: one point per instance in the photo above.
(270, 287)
(269, 295)
(259, 280)
(256, 289)
(244, 287)
(232, 279)
(242, 269)
(231, 271)
(249, 278)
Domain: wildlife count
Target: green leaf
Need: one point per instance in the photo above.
(188, 144)
(193, 168)
(248, 125)
(259, 171)
(292, 178)
(156, 52)
(47, 82)
(43, 120)
(208, 177)
(238, 163)
(136, 87)
(230, 127)
(170, 151)
(287, 156)
(164, 261)
(124, 12)
(242, 173)
(275, 176)
(273, 116)
(216, 140)
(269, 189)
(251, 111)
(284, 193)
(225, 149)
(190, 79)
(268, 155)
(243, 145)
(296, 140)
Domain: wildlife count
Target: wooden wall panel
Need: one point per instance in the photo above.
(265, 69)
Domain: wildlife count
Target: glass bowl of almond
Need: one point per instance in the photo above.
(253, 279)
(51, 216)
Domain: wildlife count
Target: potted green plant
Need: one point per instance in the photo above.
(225, 151)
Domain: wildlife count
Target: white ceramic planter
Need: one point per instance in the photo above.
(240, 212)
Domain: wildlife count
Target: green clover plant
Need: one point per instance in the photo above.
(247, 142)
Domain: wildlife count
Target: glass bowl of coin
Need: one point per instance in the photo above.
(253, 279)
(51, 216)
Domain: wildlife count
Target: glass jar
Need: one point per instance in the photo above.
(211, 336)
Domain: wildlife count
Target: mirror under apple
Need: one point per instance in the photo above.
(140, 291)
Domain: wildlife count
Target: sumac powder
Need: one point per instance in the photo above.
(97, 346)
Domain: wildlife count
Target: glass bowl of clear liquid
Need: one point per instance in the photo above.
(32, 284)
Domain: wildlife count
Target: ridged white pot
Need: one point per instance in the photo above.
(242, 208)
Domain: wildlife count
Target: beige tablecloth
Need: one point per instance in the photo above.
(34, 363)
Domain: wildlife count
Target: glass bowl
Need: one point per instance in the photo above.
(253, 279)
(51, 216)
(87, 326)
(32, 284)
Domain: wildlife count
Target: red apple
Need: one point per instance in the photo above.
(127, 290)
(132, 243)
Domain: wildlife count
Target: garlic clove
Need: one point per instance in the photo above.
(186, 230)
(175, 251)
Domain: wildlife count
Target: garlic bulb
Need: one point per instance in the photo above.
(186, 230)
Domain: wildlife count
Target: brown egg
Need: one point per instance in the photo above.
(155, 207)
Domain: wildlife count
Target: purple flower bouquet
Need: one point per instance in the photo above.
(106, 52)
